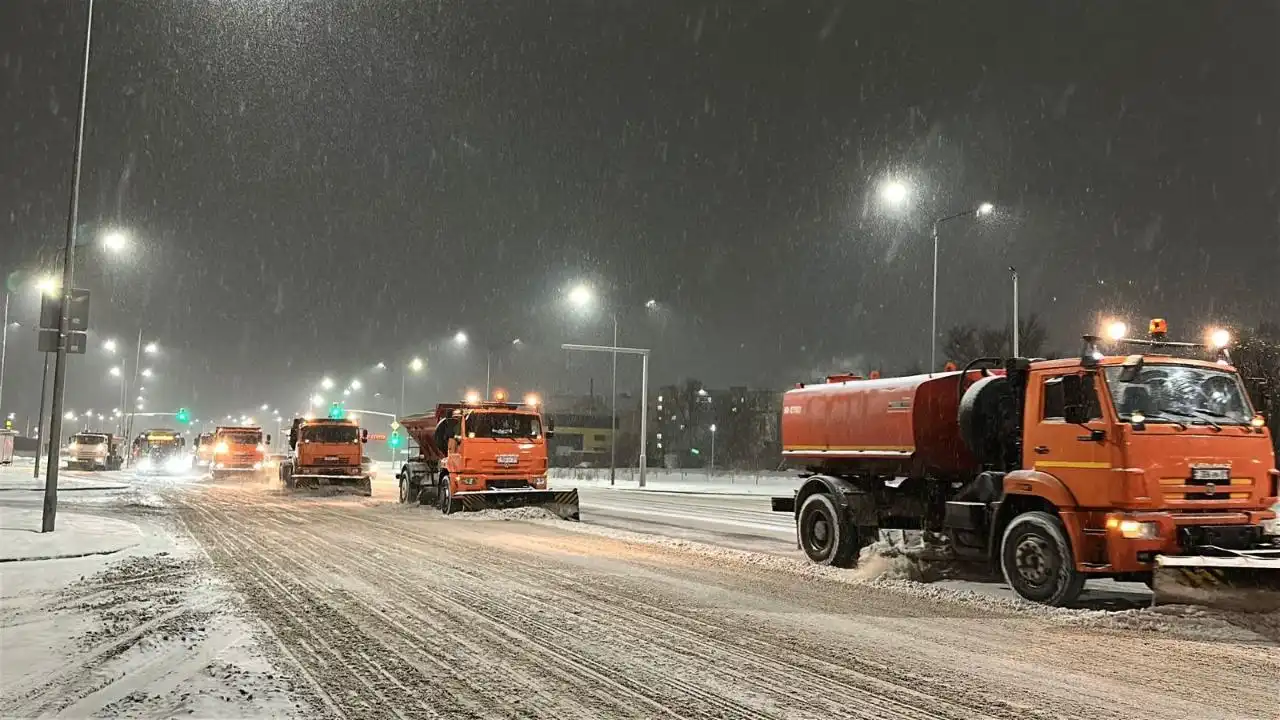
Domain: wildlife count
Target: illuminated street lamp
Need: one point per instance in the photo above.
(460, 338)
(115, 241)
(151, 348)
(416, 365)
(326, 383)
(109, 345)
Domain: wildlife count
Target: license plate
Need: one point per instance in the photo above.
(331, 458)
(1210, 473)
(508, 459)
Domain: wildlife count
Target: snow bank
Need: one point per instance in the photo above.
(679, 481)
(76, 535)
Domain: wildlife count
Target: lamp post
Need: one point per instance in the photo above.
(1013, 272)
(979, 211)
(713, 450)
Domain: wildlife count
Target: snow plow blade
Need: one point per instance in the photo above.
(563, 503)
(1240, 581)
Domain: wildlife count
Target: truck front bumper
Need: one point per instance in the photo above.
(1134, 540)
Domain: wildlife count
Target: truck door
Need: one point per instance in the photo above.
(1071, 452)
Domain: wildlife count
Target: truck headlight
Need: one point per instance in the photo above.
(468, 481)
(540, 483)
(1135, 530)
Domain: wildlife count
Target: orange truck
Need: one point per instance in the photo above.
(236, 450)
(479, 455)
(326, 452)
(1143, 467)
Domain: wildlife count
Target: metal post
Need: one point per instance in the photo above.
(613, 411)
(933, 325)
(713, 454)
(488, 362)
(1014, 270)
(137, 366)
(4, 345)
(644, 412)
(40, 435)
(50, 510)
(401, 411)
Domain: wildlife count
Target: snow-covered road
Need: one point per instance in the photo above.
(656, 605)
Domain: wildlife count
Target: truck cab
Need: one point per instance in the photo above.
(326, 452)
(494, 446)
(94, 451)
(1145, 455)
(237, 450)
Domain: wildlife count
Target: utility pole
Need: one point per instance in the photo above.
(50, 510)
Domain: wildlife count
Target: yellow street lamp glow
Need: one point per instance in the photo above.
(1219, 338)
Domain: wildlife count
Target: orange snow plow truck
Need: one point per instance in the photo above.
(1142, 467)
(481, 455)
(326, 452)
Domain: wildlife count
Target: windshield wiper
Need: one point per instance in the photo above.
(1193, 413)
(1206, 414)
(1168, 419)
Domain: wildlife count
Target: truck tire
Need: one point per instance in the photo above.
(366, 487)
(445, 496)
(1037, 561)
(824, 535)
(286, 476)
(408, 492)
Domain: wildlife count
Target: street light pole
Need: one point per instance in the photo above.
(137, 365)
(4, 345)
(983, 209)
(50, 509)
(613, 411)
(1014, 271)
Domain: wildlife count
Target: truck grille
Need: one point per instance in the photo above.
(1181, 490)
(504, 484)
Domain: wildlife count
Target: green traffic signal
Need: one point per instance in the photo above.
(336, 412)
(184, 417)
(394, 439)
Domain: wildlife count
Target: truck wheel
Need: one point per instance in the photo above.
(445, 495)
(407, 491)
(286, 474)
(366, 487)
(824, 535)
(1037, 561)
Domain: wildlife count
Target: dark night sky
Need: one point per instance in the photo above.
(317, 186)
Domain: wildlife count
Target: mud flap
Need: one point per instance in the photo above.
(1241, 581)
(563, 503)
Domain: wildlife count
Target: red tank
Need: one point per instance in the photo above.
(902, 425)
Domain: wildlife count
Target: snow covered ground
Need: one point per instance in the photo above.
(679, 481)
(122, 616)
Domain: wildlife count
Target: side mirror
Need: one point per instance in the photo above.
(268, 440)
(364, 435)
(1076, 391)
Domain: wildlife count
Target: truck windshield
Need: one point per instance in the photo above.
(503, 425)
(243, 438)
(89, 439)
(330, 434)
(1183, 393)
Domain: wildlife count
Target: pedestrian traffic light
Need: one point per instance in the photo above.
(394, 440)
(336, 412)
(184, 417)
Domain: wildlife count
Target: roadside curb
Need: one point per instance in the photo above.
(66, 556)
(69, 489)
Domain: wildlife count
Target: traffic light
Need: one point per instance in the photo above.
(395, 440)
(184, 417)
(336, 412)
